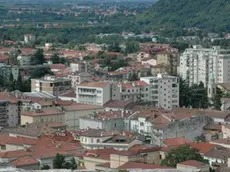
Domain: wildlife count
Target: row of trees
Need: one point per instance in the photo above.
(195, 96)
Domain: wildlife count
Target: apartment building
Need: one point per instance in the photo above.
(136, 91)
(50, 84)
(95, 93)
(163, 90)
(9, 113)
(197, 63)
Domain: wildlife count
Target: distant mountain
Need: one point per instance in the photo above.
(213, 15)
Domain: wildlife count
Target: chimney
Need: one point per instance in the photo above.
(122, 113)
(58, 145)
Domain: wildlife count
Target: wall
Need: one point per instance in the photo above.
(10, 147)
(106, 94)
(13, 114)
(225, 131)
(91, 162)
(204, 168)
(26, 119)
(72, 117)
(30, 167)
(188, 128)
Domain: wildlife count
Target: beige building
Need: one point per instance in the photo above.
(170, 60)
(226, 131)
(48, 115)
(50, 84)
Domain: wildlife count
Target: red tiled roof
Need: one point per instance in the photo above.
(4, 139)
(14, 154)
(57, 66)
(193, 163)
(203, 147)
(117, 104)
(176, 141)
(101, 153)
(22, 161)
(135, 165)
(4, 57)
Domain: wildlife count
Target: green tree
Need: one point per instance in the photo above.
(13, 57)
(199, 97)
(115, 47)
(59, 161)
(184, 93)
(19, 84)
(45, 167)
(73, 164)
(55, 59)
(38, 73)
(38, 57)
(181, 154)
(217, 99)
(131, 47)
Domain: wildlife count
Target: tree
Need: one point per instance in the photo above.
(45, 167)
(73, 164)
(184, 93)
(55, 59)
(38, 73)
(181, 154)
(59, 161)
(115, 47)
(131, 47)
(38, 57)
(217, 99)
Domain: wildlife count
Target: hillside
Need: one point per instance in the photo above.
(213, 15)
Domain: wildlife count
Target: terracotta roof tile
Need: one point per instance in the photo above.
(22, 161)
(4, 139)
(193, 163)
(203, 147)
(176, 141)
(14, 154)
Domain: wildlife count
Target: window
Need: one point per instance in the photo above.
(115, 125)
(91, 140)
(51, 84)
(142, 124)
(3, 147)
(98, 140)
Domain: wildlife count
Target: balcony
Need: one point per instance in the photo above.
(87, 93)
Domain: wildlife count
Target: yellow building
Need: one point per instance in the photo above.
(169, 60)
(47, 115)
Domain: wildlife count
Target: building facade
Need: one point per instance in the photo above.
(95, 93)
(163, 90)
(197, 63)
(51, 84)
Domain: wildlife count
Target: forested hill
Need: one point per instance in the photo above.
(213, 15)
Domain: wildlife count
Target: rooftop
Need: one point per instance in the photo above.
(117, 104)
(45, 112)
(22, 161)
(35, 129)
(193, 163)
(95, 133)
(176, 141)
(4, 139)
(108, 115)
(203, 147)
(133, 84)
(79, 107)
(94, 84)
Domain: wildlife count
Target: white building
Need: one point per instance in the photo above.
(24, 60)
(29, 38)
(197, 63)
(95, 93)
(79, 78)
(163, 90)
